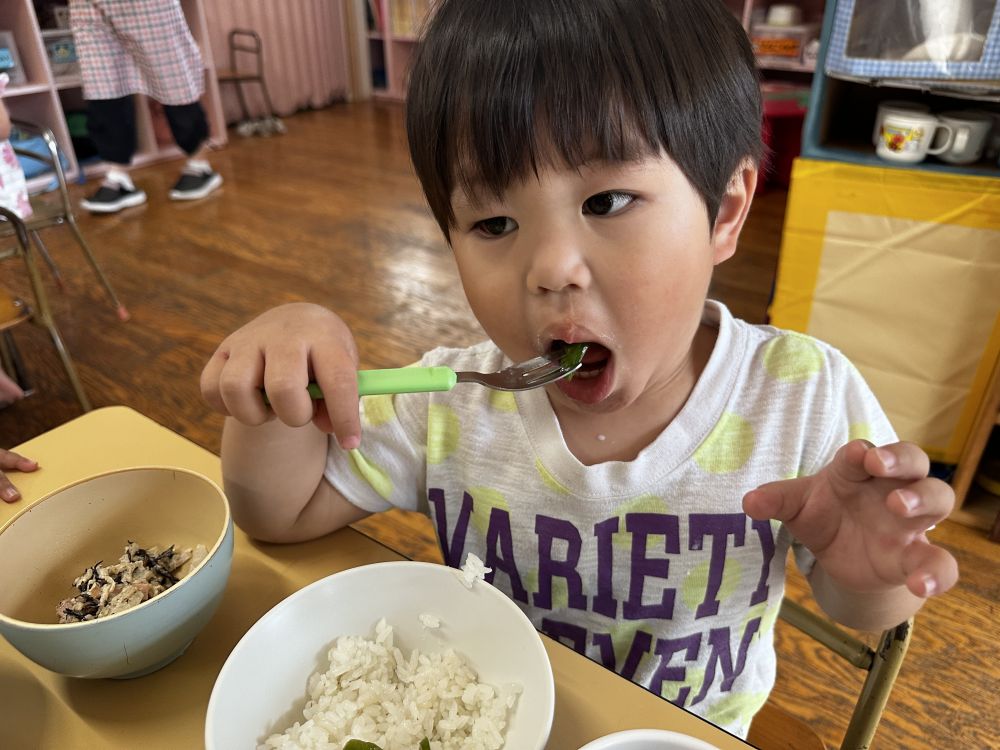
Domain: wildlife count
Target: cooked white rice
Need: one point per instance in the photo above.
(373, 692)
(472, 571)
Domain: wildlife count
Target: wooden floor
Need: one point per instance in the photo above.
(332, 213)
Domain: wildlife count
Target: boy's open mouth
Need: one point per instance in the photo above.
(592, 382)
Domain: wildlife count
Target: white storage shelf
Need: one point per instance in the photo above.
(45, 98)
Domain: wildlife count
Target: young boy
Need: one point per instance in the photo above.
(589, 164)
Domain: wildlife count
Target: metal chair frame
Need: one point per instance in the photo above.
(882, 664)
(49, 214)
(42, 314)
(248, 41)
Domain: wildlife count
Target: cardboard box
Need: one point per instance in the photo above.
(900, 270)
(10, 61)
(61, 51)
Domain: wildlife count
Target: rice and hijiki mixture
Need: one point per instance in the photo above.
(139, 574)
(375, 693)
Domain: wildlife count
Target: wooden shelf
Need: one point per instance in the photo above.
(45, 99)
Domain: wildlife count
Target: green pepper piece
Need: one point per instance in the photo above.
(425, 744)
(572, 355)
(361, 745)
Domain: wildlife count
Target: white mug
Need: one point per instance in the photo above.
(907, 137)
(891, 106)
(972, 129)
(784, 15)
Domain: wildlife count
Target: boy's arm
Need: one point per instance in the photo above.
(273, 476)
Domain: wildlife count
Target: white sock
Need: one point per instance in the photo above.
(199, 166)
(116, 177)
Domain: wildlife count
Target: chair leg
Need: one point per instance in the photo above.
(123, 313)
(44, 316)
(13, 364)
(44, 252)
(267, 98)
(242, 99)
(888, 658)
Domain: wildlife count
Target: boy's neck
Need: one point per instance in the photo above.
(622, 435)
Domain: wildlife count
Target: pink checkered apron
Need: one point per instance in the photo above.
(136, 47)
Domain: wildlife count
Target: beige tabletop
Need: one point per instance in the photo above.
(167, 708)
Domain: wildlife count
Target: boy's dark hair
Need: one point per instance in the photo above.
(497, 86)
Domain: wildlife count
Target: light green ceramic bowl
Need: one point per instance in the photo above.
(52, 541)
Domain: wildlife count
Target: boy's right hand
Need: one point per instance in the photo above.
(282, 350)
(10, 461)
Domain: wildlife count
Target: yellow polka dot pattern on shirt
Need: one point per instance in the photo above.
(379, 410)
(372, 473)
(503, 401)
(728, 447)
(560, 591)
(443, 433)
(641, 504)
(548, 480)
(484, 500)
(859, 431)
(696, 584)
(623, 634)
(692, 679)
(792, 358)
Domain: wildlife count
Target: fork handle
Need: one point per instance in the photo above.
(396, 380)
(406, 380)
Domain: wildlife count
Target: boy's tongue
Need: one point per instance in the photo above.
(592, 382)
(595, 353)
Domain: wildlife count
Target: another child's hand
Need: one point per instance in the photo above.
(282, 350)
(864, 517)
(10, 461)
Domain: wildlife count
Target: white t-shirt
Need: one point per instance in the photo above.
(649, 566)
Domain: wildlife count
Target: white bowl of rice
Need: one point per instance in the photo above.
(395, 654)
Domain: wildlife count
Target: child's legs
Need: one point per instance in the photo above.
(189, 127)
(111, 126)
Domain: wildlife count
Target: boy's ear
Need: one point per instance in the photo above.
(733, 211)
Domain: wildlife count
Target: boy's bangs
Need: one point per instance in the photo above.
(496, 141)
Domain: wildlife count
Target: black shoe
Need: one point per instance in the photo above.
(194, 185)
(109, 200)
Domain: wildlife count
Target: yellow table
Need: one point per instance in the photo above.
(167, 708)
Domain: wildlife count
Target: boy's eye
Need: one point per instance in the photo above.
(495, 226)
(605, 204)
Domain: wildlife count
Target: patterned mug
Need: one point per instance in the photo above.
(908, 137)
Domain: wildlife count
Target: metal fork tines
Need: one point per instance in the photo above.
(531, 374)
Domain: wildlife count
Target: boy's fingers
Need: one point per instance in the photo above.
(898, 461)
(209, 381)
(286, 380)
(239, 386)
(782, 500)
(922, 503)
(928, 569)
(336, 373)
(849, 461)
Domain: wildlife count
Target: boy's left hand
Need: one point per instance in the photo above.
(865, 517)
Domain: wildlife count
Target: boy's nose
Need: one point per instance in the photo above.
(557, 264)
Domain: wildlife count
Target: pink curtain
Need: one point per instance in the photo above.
(305, 52)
